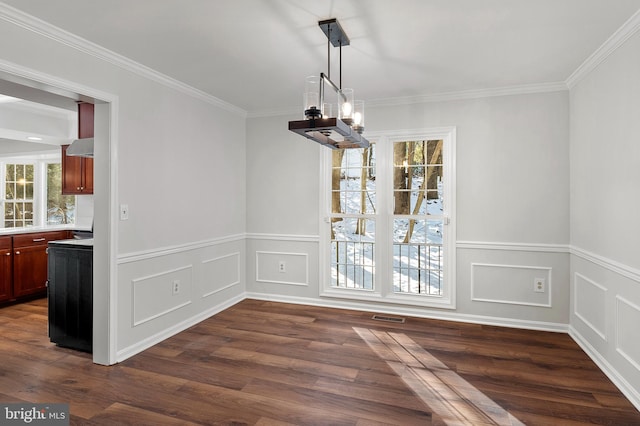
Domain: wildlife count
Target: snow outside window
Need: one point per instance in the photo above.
(388, 231)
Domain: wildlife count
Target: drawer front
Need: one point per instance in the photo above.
(38, 238)
(5, 243)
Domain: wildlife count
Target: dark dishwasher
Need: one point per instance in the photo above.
(70, 292)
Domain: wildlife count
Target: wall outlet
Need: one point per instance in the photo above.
(282, 266)
(124, 211)
(538, 285)
(175, 288)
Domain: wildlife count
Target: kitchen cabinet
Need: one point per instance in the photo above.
(71, 294)
(77, 174)
(6, 269)
(30, 262)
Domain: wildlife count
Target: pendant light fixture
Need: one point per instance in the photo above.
(344, 130)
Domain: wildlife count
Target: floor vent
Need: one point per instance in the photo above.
(388, 319)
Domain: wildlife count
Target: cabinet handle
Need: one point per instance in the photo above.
(18, 252)
(8, 254)
(77, 188)
(36, 240)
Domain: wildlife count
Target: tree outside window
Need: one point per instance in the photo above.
(32, 195)
(18, 203)
(60, 208)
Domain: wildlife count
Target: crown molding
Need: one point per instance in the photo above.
(616, 40)
(59, 35)
(527, 89)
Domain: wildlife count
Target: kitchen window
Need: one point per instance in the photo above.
(32, 193)
(18, 195)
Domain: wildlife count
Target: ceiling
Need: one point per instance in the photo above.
(255, 54)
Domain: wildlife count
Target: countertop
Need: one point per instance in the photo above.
(87, 242)
(30, 229)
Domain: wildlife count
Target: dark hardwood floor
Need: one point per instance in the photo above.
(268, 363)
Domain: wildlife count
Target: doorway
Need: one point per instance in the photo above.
(40, 88)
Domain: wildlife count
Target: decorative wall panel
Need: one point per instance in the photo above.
(510, 284)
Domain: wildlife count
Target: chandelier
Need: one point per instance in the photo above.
(344, 130)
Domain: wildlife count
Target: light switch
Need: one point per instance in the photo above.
(124, 211)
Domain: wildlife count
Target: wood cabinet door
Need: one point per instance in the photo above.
(29, 270)
(6, 276)
(30, 261)
(71, 173)
(77, 174)
(87, 176)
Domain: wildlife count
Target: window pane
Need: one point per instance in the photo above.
(417, 269)
(353, 181)
(8, 210)
(28, 191)
(10, 191)
(10, 175)
(28, 172)
(20, 190)
(28, 211)
(417, 241)
(61, 209)
(19, 210)
(352, 253)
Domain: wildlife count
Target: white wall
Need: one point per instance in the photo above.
(605, 202)
(177, 158)
(512, 203)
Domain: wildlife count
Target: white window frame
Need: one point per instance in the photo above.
(39, 162)
(383, 283)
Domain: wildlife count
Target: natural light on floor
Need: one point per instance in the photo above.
(451, 398)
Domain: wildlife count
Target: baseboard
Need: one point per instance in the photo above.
(414, 312)
(132, 350)
(632, 394)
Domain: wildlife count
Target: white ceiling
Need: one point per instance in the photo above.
(255, 54)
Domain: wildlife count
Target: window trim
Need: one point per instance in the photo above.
(383, 287)
(39, 161)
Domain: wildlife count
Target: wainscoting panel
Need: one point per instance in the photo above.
(510, 284)
(627, 338)
(606, 303)
(282, 268)
(220, 273)
(589, 304)
(210, 277)
(154, 295)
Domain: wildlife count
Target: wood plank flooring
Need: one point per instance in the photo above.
(267, 363)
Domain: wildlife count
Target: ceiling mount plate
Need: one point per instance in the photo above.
(334, 32)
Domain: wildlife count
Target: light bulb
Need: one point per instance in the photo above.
(357, 118)
(346, 109)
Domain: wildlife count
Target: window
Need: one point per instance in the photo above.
(353, 224)
(388, 231)
(32, 193)
(60, 208)
(18, 198)
(418, 217)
